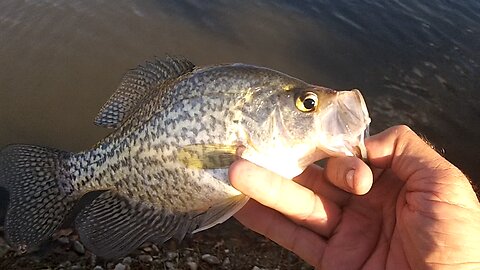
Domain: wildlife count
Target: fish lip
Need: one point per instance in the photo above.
(360, 150)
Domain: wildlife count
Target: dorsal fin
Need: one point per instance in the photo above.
(136, 84)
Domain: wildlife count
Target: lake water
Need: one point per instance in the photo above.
(416, 62)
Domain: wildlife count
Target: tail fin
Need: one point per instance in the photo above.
(38, 204)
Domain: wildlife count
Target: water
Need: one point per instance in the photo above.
(416, 63)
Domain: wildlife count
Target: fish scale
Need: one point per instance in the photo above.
(164, 169)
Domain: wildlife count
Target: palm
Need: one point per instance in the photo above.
(367, 232)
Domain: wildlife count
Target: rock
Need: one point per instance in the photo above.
(127, 260)
(192, 265)
(226, 262)
(63, 240)
(120, 266)
(147, 249)
(171, 255)
(63, 232)
(170, 265)
(155, 248)
(78, 247)
(76, 267)
(210, 259)
(145, 258)
(98, 267)
(256, 268)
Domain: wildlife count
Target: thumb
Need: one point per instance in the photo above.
(418, 164)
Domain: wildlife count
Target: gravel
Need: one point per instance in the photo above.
(215, 248)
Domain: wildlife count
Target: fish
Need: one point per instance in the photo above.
(163, 170)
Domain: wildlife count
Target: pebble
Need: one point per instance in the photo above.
(170, 265)
(63, 240)
(120, 266)
(210, 259)
(145, 258)
(171, 255)
(155, 248)
(127, 260)
(192, 265)
(226, 262)
(78, 247)
(76, 267)
(98, 267)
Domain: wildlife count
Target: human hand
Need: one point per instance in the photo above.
(418, 211)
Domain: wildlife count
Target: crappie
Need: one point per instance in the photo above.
(164, 170)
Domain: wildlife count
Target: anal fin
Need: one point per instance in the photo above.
(113, 225)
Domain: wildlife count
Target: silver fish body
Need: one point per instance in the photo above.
(164, 169)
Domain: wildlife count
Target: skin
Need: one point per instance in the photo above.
(412, 209)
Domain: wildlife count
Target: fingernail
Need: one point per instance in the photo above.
(349, 177)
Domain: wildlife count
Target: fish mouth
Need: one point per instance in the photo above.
(345, 125)
(360, 150)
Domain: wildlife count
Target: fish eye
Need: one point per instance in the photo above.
(306, 102)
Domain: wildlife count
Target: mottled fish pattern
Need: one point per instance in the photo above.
(164, 169)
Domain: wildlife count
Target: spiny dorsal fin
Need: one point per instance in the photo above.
(113, 225)
(136, 84)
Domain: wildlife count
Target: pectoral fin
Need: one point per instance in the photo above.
(212, 156)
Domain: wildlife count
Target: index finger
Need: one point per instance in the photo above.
(288, 197)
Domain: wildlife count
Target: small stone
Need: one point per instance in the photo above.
(127, 260)
(226, 262)
(256, 268)
(63, 240)
(98, 267)
(226, 250)
(190, 259)
(63, 232)
(210, 259)
(145, 258)
(76, 267)
(78, 247)
(120, 266)
(192, 265)
(170, 265)
(155, 248)
(171, 255)
(147, 249)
